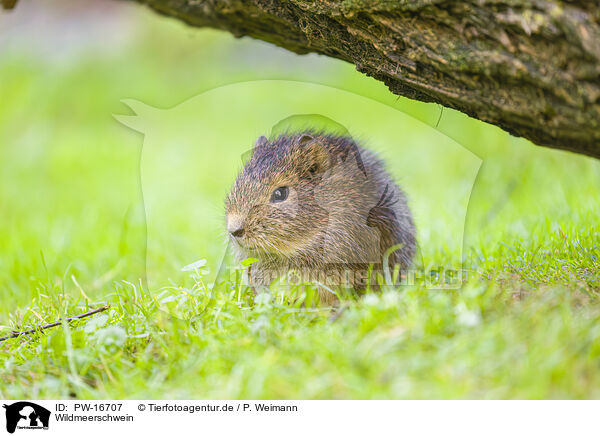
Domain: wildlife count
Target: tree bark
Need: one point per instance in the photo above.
(531, 67)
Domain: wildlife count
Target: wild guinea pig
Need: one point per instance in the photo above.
(319, 205)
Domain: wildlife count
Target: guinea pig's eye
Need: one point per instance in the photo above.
(280, 194)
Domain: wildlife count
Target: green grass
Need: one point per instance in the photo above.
(76, 233)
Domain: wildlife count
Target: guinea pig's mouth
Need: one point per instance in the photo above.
(249, 248)
(246, 245)
(258, 247)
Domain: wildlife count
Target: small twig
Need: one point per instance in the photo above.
(440, 118)
(54, 324)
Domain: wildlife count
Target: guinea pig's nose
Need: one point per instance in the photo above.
(238, 233)
(235, 226)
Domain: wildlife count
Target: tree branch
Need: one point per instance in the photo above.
(531, 67)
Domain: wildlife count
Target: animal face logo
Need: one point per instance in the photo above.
(26, 415)
(191, 154)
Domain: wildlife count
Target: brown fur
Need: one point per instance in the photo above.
(343, 211)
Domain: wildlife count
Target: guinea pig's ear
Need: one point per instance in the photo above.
(261, 142)
(317, 159)
(304, 139)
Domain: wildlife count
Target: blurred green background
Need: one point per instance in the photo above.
(71, 205)
(70, 173)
